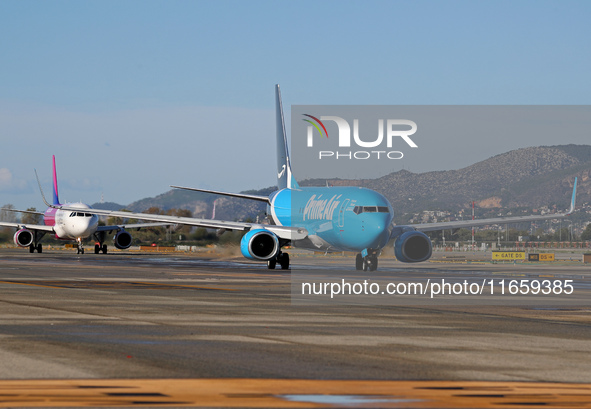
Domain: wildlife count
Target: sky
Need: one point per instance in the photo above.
(133, 96)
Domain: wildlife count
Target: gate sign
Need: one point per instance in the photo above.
(540, 257)
(546, 256)
(508, 255)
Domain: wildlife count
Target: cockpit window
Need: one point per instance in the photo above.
(370, 209)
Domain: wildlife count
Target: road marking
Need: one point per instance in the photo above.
(285, 393)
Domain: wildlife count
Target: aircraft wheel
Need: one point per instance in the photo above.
(271, 263)
(365, 266)
(283, 260)
(374, 263)
(32, 248)
(96, 249)
(359, 262)
(39, 248)
(104, 249)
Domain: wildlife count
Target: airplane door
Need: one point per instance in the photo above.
(342, 213)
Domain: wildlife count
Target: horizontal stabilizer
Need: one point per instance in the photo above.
(216, 192)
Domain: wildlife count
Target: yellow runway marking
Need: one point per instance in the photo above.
(32, 283)
(284, 393)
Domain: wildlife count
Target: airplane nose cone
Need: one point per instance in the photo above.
(374, 232)
(84, 227)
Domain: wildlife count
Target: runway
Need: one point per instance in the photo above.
(123, 319)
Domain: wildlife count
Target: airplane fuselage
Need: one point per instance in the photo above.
(336, 218)
(71, 225)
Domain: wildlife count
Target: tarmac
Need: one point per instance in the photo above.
(130, 329)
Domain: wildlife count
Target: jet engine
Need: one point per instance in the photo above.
(23, 238)
(122, 240)
(259, 245)
(412, 247)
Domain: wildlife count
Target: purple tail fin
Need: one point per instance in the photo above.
(56, 199)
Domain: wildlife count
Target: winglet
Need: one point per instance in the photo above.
(572, 201)
(41, 190)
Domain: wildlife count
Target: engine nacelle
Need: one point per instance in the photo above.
(260, 245)
(413, 247)
(122, 240)
(23, 238)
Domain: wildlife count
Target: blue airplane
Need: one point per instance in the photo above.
(325, 219)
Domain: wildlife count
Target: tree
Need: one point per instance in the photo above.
(181, 228)
(586, 235)
(31, 218)
(114, 221)
(6, 215)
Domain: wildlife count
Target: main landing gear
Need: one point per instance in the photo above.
(368, 262)
(282, 259)
(100, 246)
(35, 245)
(38, 247)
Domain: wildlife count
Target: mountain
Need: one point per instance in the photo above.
(107, 206)
(528, 178)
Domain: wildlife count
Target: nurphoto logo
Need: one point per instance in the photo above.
(395, 128)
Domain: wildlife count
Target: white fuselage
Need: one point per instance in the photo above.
(72, 225)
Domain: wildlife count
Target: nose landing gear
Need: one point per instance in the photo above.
(79, 245)
(367, 261)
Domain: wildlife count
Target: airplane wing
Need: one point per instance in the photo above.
(498, 220)
(284, 232)
(40, 227)
(124, 226)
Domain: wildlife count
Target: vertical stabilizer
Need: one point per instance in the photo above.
(285, 178)
(573, 198)
(56, 199)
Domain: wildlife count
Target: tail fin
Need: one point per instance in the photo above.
(572, 200)
(56, 199)
(285, 178)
